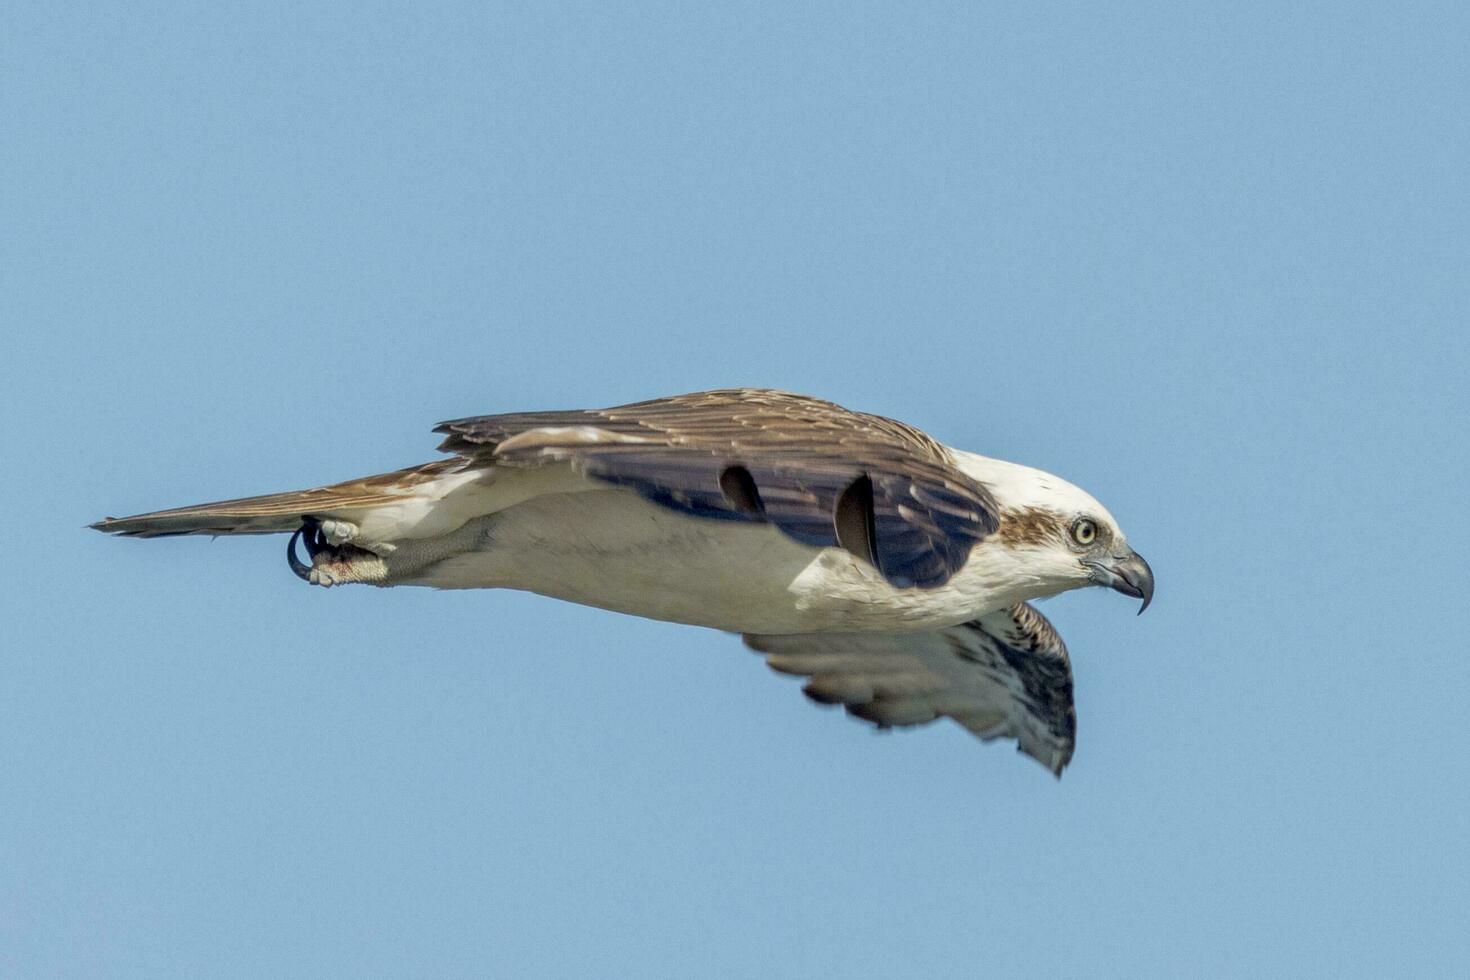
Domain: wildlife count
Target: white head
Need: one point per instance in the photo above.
(1053, 536)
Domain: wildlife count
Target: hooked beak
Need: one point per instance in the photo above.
(1128, 574)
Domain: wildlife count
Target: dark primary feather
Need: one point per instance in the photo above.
(1004, 675)
(695, 452)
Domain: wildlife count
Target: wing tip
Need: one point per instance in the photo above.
(110, 525)
(1054, 759)
(1056, 764)
(131, 527)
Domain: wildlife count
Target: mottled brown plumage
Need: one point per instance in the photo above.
(748, 419)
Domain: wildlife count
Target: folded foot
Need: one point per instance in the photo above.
(332, 562)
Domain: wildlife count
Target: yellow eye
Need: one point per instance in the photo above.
(1084, 532)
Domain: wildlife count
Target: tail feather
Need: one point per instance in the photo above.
(279, 513)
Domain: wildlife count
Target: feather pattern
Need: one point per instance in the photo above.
(1004, 675)
(276, 513)
(798, 454)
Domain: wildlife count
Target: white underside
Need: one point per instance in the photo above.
(610, 548)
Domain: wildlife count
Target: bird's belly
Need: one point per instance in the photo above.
(617, 551)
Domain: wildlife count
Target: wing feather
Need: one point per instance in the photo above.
(801, 454)
(1004, 675)
(281, 512)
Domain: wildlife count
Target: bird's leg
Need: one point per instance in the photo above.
(332, 564)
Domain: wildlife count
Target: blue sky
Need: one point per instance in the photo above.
(1206, 261)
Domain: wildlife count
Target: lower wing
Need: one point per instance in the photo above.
(1004, 675)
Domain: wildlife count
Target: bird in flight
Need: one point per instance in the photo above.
(890, 570)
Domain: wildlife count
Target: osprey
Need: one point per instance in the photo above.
(892, 571)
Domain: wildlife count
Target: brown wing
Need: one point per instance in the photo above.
(1004, 675)
(822, 474)
(280, 512)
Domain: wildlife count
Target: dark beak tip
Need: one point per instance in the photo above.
(1140, 578)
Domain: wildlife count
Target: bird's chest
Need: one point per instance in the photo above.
(617, 551)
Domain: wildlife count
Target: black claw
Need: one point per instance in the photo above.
(314, 539)
(298, 567)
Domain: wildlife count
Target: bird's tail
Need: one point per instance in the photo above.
(282, 513)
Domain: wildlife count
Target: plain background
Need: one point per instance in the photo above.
(1208, 261)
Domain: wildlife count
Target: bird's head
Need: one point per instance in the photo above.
(1054, 536)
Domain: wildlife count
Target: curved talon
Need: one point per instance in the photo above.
(314, 539)
(298, 567)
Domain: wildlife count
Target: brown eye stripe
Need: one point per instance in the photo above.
(1031, 526)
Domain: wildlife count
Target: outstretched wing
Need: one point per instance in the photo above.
(820, 473)
(1004, 675)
